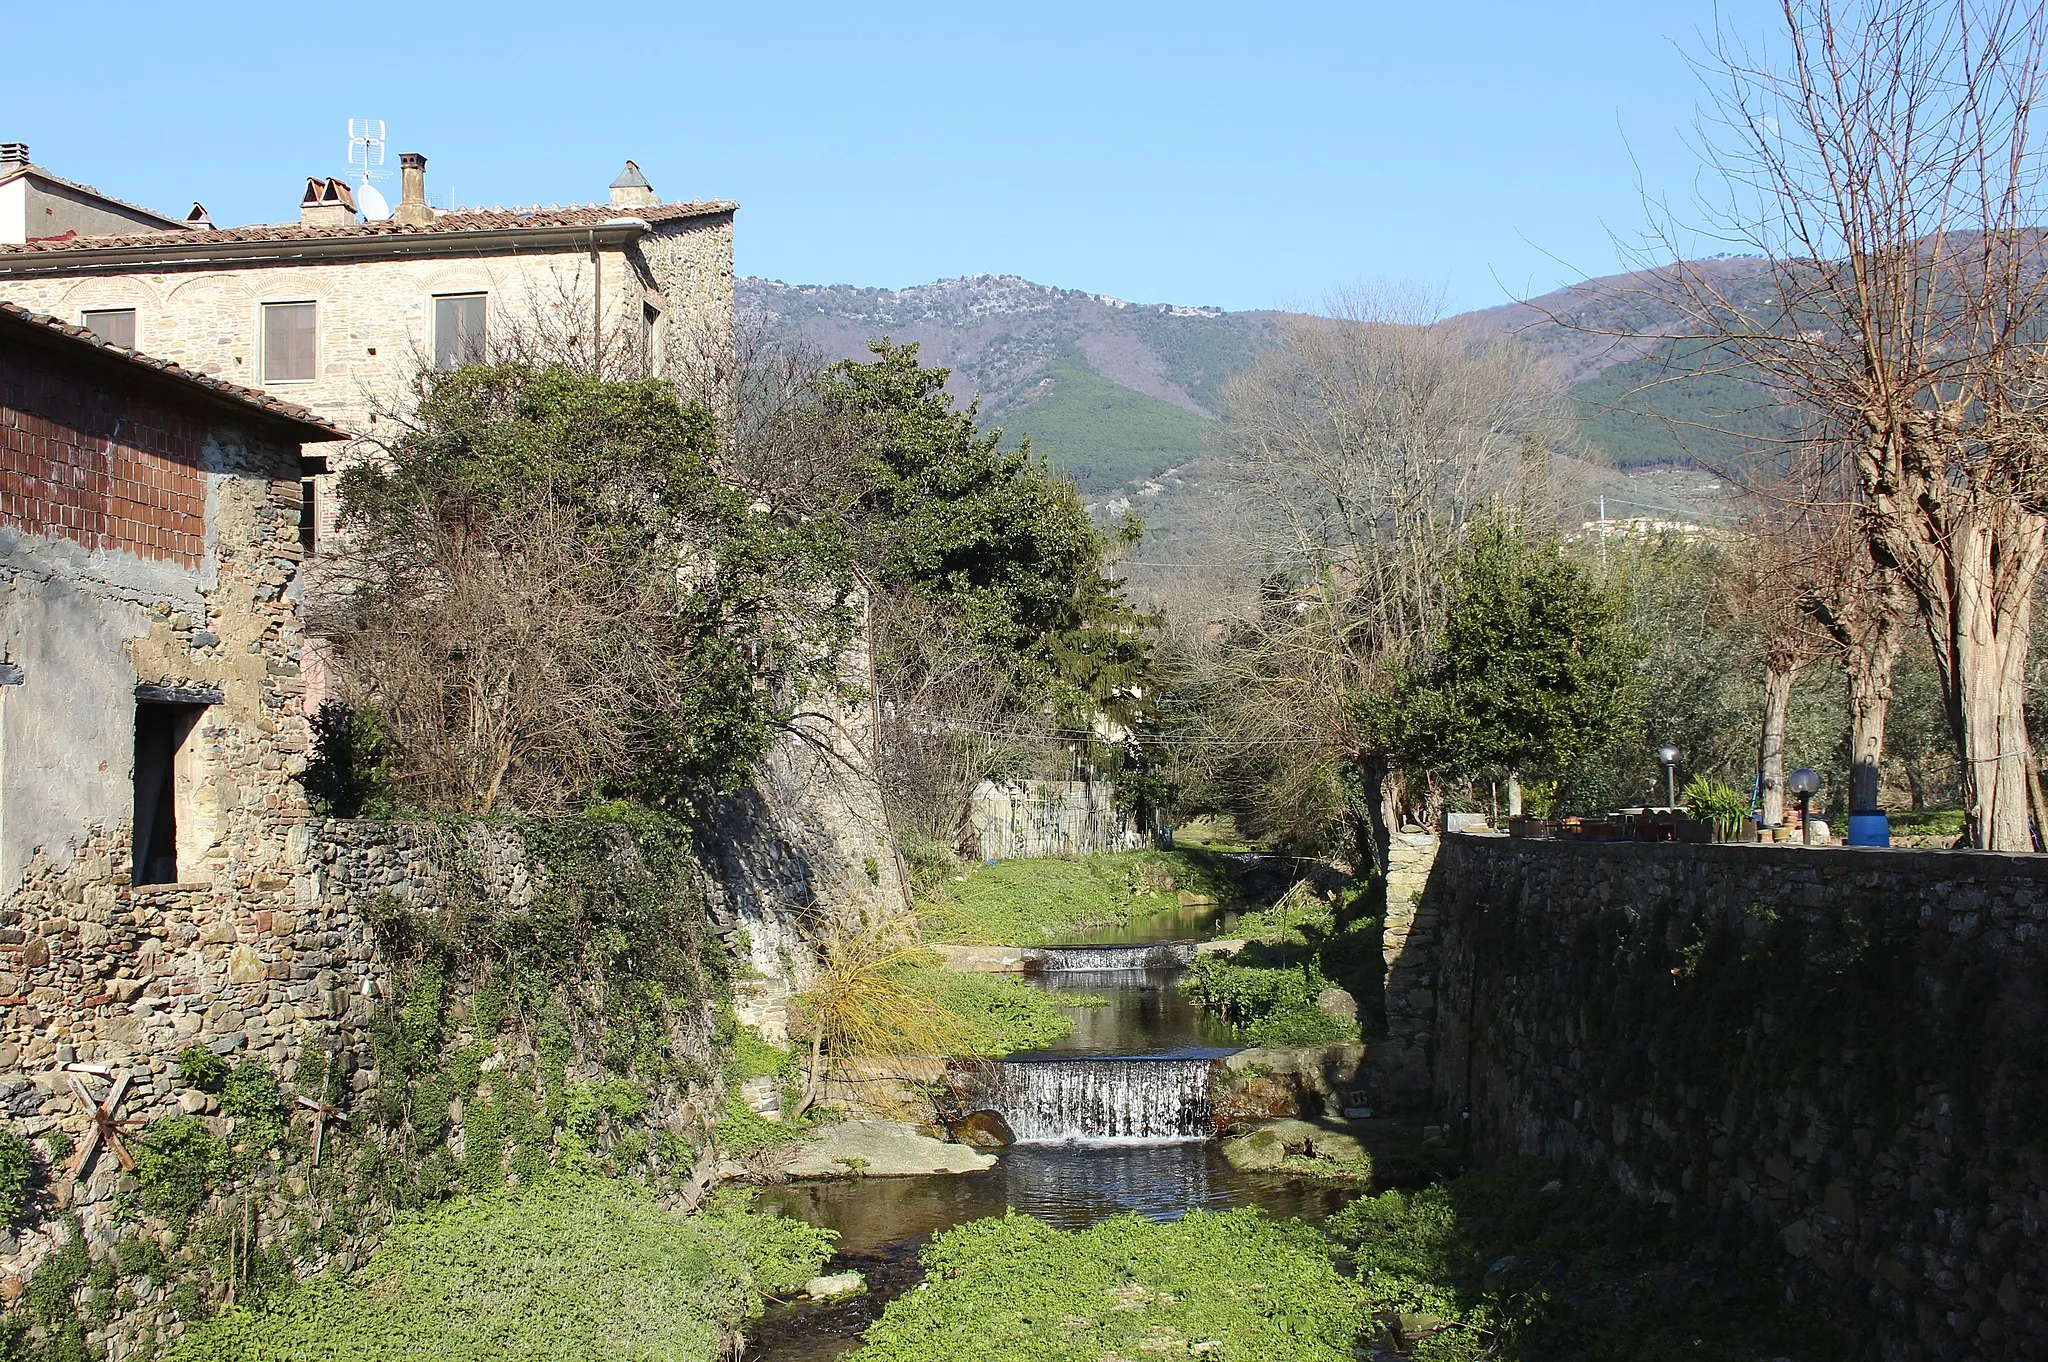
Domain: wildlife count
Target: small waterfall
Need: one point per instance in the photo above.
(1089, 1101)
(1105, 959)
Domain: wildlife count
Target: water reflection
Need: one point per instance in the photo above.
(1177, 924)
(1146, 1015)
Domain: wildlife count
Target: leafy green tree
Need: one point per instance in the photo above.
(1533, 666)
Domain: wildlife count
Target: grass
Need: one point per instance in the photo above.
(572, 1269)
(1000, 1015)
(1928, 823)
(1026, 903)
(1232, 1286)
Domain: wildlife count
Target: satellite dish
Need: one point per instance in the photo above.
(372, 203)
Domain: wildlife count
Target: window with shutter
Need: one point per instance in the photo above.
(289, 332)
(458, 330)
(114, 325)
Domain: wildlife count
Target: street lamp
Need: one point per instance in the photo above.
(1669, 756)
(1804, 782)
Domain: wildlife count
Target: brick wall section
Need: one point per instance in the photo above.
(105, 469)
(1834, 1052)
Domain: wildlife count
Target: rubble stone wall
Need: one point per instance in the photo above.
(1836, 1052)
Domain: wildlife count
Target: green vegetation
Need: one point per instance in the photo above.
(1716, 802)
(1687, 403)
(201, 1068)
(1270, 996)
(571, 1269)
(1000, 1015)
(1516, 1263)
(1030, 902)
(1099, 433)
(1928, 823)
(1532, 668)
(1234, 1286)
(17, 1172)
(177, 1161)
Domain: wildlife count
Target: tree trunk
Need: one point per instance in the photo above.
(1771, 753)
(1868, 666)
(1983, 668)
(814, 1076)
(1514, 794)
(1366, 800)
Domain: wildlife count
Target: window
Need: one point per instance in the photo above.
(114, 325)
(650, 315)
(309, 514)
(289, 330)
(458, 330)
(162, 733)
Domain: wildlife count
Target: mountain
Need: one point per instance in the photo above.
(1117, 394)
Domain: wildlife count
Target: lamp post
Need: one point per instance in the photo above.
(1804, 782)
(1669, 756)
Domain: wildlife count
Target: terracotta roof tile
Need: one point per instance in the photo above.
(215, 387)
(463, 220)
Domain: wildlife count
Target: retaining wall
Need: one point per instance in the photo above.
(1840, 1052)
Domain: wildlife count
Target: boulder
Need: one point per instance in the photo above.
(1259, 1152)
(984, 1130)
(1271, 1144)
(835, 1286)
(880, 1149)
(1339, 1003)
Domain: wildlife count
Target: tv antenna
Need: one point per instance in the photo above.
(366, 161)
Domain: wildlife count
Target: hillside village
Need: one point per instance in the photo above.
(562, 801)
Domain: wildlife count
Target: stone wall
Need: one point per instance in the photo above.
(1017, 819)
(1835, 1052)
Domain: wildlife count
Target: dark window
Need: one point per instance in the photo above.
(649, 315)
(114, 325)
(458, 330)
(162, 731)
(289, 330)
(309, 507)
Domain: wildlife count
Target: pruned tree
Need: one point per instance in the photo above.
(1888, 173)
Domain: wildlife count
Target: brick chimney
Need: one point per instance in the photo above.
(13, 156)
(631, 190)
(327, 203)
(412, 210)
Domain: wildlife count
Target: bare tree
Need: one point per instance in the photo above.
(1366, 441)
(1889, 175)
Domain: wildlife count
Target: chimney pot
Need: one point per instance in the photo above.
(327, 202)
(412, 210)
(13, 156)
(631, 189)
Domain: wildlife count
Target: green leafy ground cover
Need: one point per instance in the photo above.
(1928, 823)
(1295, 949)
(1026, 902)
(1232, 1286)
(1517, 1263)
(1098, 432)
(1002, 1015)
(572, 1269)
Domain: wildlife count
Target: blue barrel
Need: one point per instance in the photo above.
(1869, 830)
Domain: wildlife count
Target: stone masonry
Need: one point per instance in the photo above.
(1835, 1052)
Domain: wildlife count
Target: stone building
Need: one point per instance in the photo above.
(340, 315)
(35, 204)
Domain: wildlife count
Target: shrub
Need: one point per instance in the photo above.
(345, 776)
(201, 1068)
(17, 1172)
(176, 1161)
(1272, 1004)
(251, 1095)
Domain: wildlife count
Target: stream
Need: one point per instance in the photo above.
(1112, 1119)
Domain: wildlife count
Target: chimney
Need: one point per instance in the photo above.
(199, 220)
(327, 203)
(631, 190)
(412, 192)
(13, 157)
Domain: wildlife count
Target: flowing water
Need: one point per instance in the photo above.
(1112, 1120)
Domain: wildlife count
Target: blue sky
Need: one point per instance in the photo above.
(1235, 155)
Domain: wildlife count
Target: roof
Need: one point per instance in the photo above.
(309, 427)
(631, 178)
(444, 224)
(33, 169)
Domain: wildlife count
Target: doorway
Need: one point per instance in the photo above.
(163, 732)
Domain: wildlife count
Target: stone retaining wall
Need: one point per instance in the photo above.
(1836, 1052)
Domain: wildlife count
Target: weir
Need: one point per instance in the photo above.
(1144, 955)
(1103, 1101)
